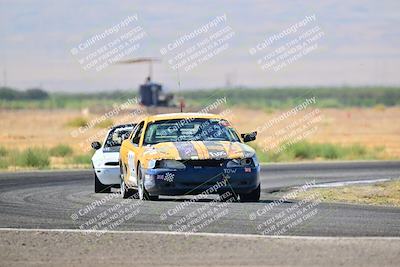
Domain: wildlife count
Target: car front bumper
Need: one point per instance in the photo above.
(192, 181)
(109, 175)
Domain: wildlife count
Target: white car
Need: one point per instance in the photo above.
(105, 160)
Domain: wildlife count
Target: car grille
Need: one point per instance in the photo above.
(204, 163)
(112, 163)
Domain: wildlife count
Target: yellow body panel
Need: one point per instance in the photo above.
(131, 155)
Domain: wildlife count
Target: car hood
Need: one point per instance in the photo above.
(198, 150)
(110, 156)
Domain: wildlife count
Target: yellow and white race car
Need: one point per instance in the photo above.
(187, 154)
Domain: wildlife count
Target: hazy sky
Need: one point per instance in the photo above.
(359, 46)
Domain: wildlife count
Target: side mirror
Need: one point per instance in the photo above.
(96, 145)
(248, 137)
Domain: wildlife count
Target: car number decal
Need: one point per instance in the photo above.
(131, 164)
(186, 150)
(215, 149)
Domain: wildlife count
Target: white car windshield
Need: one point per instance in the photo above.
(115, 138)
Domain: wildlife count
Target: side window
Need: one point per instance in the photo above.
(132, 134)
(137, 134)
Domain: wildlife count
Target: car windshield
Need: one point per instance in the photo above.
(115, 138)
(181, 130)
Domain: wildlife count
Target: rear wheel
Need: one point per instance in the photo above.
(99, 187)
(253, 196)
(143, 194)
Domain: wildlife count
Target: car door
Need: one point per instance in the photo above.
(133, 153)
(125, 146)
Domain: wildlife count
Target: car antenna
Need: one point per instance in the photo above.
(181, 103)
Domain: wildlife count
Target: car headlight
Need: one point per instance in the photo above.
(255, 160)
(151, 164)
(246, 162)
(171, 164)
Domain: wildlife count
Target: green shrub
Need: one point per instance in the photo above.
(107, 123)
(77, 122)
(329, 151)
(289, 97)
(82, 159)
(357, 151)
(4, 163)
(3, 151)
(61, 151)
(33, 157)
(305, 150)
(302, 150)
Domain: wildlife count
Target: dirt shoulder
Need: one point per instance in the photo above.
(382, 193)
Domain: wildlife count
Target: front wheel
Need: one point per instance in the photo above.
(253, 196)
(125, 191)
(143, 194)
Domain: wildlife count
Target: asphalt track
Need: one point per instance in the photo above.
(64, 200)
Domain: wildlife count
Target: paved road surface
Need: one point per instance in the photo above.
(49, 199)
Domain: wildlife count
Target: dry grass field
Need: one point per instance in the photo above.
(369, 127)
(47, 128)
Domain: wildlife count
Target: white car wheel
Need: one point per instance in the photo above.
(143, 194)
(122, 187)
(140, 188)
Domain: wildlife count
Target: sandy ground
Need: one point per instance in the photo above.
(43, 248)
(381, 193)
(367, 126)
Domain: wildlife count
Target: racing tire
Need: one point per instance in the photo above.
(125, 192)
(142, 192)
(253, 196)
(99, 187)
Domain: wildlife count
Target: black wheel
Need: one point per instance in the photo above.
(99, 187)
(125, 192)
(143, 194)
(253, 196)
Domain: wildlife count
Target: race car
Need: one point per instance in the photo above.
(188, 154)
(105, 159)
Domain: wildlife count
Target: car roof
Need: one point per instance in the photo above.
(123, 126)
(193, 115)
